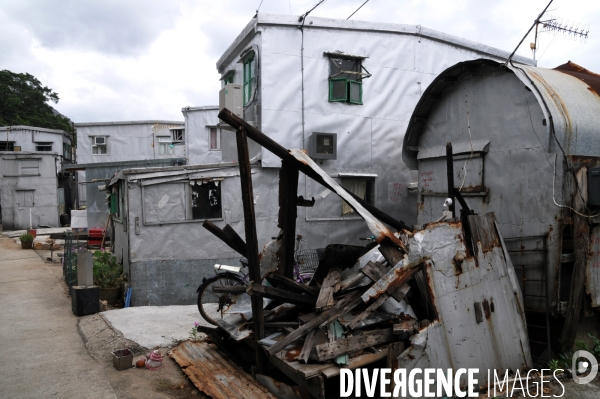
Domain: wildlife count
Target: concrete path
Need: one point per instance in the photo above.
(151, 326)
(42, 351)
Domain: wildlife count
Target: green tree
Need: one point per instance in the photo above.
(24, 101)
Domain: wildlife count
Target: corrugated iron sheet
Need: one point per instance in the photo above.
(214, 375)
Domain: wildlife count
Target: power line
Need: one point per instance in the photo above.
(355, 11)
(526, 34)
(261, 1)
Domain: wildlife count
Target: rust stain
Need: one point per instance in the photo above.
(292, 354)
(486, 309)
(577, 71)
(214, 375)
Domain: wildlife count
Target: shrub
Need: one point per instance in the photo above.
(107, 272)
(26, 237)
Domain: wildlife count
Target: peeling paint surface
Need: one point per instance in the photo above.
(455, 340)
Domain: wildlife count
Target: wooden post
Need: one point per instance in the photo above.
(288, 212)
(450, 174)
(251, 245)
(581, 243)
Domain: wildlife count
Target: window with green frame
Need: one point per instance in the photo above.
(345, 80)
(249, 74)
(228, 79)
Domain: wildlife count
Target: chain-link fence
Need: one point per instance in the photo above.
(70, 260)
(308, 259)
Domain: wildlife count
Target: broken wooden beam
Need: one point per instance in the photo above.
(406, 328)
(394, 278)
(348, 302)
(353, 344)
(279, 280)
(279, 294)
(309, 343)
(329, 287)
(251, 243)
(372, 307)
(375, 271)
(226, 238)
(288, 212)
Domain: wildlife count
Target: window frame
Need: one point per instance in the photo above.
(249, 69)
(166, 145)
(175, 140)
(345, 76)
(98, 147)
(369, 191)
(46, 144)
(219, 137)
(9, 146)
(218, 183)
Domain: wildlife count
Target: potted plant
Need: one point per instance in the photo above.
(26, 241)
(108, 275)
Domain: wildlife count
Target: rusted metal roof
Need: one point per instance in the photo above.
(568, 96)
(214, 375)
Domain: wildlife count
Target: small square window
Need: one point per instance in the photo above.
(7, 146)
(99, 145)
(214, 139)
(30, 167)
(362, 187)
(345, 80)
(43, 146)
(165, 146)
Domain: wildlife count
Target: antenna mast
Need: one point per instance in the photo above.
(556, 26)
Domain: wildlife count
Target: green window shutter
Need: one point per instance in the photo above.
(354, 92)
(113, 203)
(248, 78)
(338, 90)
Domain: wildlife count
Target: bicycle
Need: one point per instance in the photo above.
(213, 303)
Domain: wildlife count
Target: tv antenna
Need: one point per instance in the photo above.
(557, 26)
(551, 25)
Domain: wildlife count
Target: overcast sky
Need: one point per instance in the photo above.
(112, 60)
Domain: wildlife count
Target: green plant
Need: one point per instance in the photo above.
(553, 365)
(26, 237)
(107, 272)
(194, 334)
(596, 348)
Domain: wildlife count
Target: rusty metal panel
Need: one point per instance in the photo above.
(458, 281)
(592, 272)
(214, 375)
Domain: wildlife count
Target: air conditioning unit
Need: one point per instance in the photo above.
(322, 146)
(230, 97)
(99, 140)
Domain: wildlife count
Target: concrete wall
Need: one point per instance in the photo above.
(28, 192)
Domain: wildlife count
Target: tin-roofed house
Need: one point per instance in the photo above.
(342, 90)
(35, 191)
(103, 148)
(203, 141)
(526, 145)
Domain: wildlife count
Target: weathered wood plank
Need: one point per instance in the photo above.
(356, 362)
(372, 307)
(352, 299)
(328, 288)
(406, 328)
(353, 344)
(288, 212)
(279, 280)
(309, 343)
(335, 331)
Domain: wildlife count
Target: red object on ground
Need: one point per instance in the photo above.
(33, 232)
(95, 236)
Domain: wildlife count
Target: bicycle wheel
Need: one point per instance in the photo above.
(211, 304)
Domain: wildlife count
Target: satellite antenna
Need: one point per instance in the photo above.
(557, 26)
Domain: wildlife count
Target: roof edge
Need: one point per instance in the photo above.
(89, 124)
